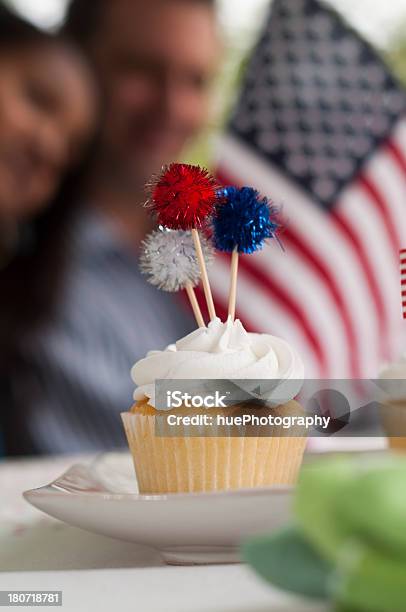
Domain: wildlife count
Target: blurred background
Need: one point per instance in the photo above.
(318, 128)
(382, 23)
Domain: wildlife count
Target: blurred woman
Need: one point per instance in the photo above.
(47, 118)
(78, 312)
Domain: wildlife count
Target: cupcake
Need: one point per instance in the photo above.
(394, 406)
(222, 458)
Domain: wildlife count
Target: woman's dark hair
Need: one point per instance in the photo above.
(15, 31)
(83, 20)
(30, 279)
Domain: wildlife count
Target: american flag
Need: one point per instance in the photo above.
(403, 280)
(320, 127)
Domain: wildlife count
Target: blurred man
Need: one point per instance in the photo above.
(154, 61)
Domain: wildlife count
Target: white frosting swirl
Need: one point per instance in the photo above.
(222, 351)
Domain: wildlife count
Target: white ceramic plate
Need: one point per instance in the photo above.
(186, 528)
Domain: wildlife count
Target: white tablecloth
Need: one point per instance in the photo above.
(99, 573)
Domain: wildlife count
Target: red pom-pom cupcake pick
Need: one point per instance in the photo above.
(183, 196)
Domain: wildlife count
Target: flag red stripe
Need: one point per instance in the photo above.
(402, 252)
(400, 160)
(370, 276)
(322, 270)
(278, 294)
(377, 199)
(396, 154)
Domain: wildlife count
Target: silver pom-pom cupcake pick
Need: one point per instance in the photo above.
(169, 261)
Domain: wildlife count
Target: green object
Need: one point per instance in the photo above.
(288, 561)
(374, 505)
(349, 545)
(320, 487)
(353, 497)
(369, 581)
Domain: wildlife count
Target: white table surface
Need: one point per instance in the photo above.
(221, 588)
(94, 572)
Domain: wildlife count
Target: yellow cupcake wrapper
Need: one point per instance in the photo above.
(187, 464)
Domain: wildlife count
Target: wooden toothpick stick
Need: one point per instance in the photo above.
(232, 296)
(205, 278)
(195, 305)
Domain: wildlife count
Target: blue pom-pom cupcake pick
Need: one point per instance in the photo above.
(243, 221)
